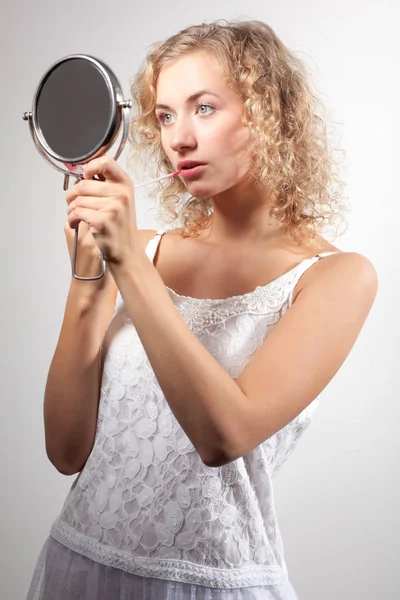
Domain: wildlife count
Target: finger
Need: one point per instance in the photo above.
(83, 227)
(93, 219)
(112, 207)
(107, 167)
(85, 202)
(91, 188)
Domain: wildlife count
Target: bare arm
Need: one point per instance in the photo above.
(72, 390)
(226, 418)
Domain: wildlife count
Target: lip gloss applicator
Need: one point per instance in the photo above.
(79, 169)
(158, 178)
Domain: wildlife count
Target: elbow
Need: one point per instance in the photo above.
(67, 471)
(219, 461)
(220, 452)
(67, 461)
(63, 467)
(218, 458)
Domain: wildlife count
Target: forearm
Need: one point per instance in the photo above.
(72, 388)
(205, 400)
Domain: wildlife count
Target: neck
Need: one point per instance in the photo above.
(242, 216)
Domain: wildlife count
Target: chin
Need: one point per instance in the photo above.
(202, 189)
(199, 191)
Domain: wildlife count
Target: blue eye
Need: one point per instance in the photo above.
(201, 105)
(161, 118)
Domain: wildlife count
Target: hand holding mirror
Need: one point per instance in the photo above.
(77, 112)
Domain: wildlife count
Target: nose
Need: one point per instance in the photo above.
(182, 135)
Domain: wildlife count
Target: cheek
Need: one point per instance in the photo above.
(239, 150)
(164, 144)
(235, 138)
(244, 139)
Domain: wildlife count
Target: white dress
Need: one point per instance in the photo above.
(145, 519)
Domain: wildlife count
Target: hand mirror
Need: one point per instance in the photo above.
(76, 115)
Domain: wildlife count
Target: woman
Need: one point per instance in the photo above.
(221, 339)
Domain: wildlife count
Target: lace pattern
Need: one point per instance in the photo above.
(145, 502)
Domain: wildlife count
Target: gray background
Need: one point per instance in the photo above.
(336, 497)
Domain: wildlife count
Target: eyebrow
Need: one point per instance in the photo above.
(190, 98)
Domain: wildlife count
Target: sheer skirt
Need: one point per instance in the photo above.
(62, 574)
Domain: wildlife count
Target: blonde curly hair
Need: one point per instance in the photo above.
(292, 153)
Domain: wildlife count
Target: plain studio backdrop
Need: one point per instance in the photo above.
(337, 496)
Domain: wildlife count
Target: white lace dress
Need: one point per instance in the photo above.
(145, 519)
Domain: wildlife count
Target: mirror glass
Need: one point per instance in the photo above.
(74, 110)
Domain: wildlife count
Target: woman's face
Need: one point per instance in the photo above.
(201, 121)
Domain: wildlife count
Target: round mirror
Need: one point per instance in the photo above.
(76, 115)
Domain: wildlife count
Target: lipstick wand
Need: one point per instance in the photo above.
(79, 170)
(158, 179)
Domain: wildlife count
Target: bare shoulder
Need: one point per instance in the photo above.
(349, 270)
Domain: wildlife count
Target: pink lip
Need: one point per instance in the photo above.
(186, 173)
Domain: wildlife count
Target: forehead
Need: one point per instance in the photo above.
(190, 73)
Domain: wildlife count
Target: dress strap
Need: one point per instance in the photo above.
(322, 254)
(302, 268)
(152, 245)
